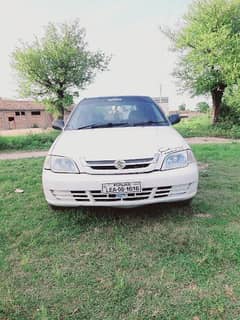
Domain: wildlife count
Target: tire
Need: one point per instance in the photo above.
(55, 208)
(186, 203)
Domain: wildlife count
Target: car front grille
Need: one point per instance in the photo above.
(99, 196)
(162, 192)
(110, 164)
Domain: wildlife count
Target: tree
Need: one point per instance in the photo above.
(230, 110)
(55, 67)
(202, 107)
(208, 46)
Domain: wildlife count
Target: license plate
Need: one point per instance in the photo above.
(121, 187)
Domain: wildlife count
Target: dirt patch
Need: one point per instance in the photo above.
(203, 215)
(23, 132)
(203, 140)
(202, 166)
(22, 155)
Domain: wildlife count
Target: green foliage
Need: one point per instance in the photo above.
(208, 45)
(182, 107)
(231, 107)
(156, 262)
(40, 141)
(203, 107)
(201, 127)
(55, 67)
(230, 114)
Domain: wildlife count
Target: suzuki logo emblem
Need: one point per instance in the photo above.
(120, 164)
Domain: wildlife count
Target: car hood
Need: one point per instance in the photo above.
(116, 143)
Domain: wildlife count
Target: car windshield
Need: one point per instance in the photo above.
(116, 112)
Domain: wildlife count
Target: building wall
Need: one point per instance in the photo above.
(2, 120)
(21, 119)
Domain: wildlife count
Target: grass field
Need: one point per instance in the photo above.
(158, 262)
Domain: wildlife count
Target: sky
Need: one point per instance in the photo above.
(127, 29)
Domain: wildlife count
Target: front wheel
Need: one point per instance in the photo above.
(55, 208)
(186, 203)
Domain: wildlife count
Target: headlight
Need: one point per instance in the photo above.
(177, 160)
(60, 164)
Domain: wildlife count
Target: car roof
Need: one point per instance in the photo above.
(129, 97)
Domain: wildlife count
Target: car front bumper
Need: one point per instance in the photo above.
(73, 190)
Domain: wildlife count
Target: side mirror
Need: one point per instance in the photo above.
(174, 118)
(58, 124)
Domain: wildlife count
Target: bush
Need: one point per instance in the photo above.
(203, 107)
(229, 115)
(41, 141)
(201, 126)
(182, 107)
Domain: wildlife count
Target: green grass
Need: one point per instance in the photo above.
(40, 141)
(157, 262)
(201, 127)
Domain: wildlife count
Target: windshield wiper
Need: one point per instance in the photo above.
(103, 125)
(147, 123)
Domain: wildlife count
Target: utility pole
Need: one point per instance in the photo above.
(160, 92)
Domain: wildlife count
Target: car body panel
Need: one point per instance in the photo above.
(185, 180)
(117, 143)
(125, 144)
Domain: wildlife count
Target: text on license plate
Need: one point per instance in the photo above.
(122, 187)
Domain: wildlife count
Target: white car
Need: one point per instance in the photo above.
(118, 152)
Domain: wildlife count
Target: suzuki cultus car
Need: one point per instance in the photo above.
(119, 152)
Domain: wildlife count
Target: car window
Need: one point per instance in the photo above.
(110, 111)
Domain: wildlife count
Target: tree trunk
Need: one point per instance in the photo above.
(60, 112)
(217, 95)
(60, 105)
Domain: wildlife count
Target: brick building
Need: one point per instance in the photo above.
(20, 114)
